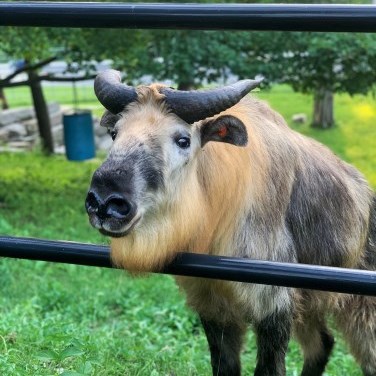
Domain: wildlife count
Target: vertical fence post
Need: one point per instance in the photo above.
(41, 112)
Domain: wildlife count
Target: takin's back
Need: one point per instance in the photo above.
(285, 187)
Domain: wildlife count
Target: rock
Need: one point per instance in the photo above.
(59, 149)
(20, 145)
(30, 139)
(19, 128)
(56, 118)
(31, 126)
(10, 150)
(15, 115)
(299, 118)
(105, 143)
(4, 134)
(97, 141)
(15, 130)
(53, 107)
(100, 131)
(58, 134)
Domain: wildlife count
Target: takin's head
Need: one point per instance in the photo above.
(155, 146)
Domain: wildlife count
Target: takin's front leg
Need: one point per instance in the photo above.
(273, 335)
(225, 343)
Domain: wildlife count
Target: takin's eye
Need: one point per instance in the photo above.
(112, 133)
(183, 142)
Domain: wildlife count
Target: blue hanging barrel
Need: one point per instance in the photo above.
(79, 136)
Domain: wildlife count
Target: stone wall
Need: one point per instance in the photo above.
(19, 130)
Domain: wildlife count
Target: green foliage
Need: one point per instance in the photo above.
(335, 62)
(308, 61)
(34, 44)
(353, 139)
(48, 190)
(188, 57)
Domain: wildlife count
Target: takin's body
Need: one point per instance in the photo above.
(284, 198)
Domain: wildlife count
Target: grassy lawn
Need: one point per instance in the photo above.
(71, 320)
(86, 99)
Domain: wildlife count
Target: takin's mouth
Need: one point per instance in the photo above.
(120, 234)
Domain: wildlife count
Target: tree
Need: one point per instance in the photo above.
(189, 58)
(3, 100)
(35, 47)
(324, 64)
(321, 64)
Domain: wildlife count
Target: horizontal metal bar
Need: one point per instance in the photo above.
(286, 17)
(204, 266)
(55, 251)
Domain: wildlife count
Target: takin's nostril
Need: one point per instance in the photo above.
(92, 203)
(118, 208)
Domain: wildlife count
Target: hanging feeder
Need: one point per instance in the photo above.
(78, 132)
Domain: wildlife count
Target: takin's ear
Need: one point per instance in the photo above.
(225, 128)
(109, 120)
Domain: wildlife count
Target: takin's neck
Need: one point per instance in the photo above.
(225, 184)
(178, 226)
(196, 218)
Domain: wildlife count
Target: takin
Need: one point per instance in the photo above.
(221, 173)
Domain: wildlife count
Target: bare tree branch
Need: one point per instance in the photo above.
(29, 67)
(14, 84)
(7, 84)
(66, 79)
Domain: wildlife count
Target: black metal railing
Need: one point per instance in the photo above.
(297, 17)
(333, 18)
(204, 266)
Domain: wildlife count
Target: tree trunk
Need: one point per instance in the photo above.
(323, 109)
(185, 85)
(41, 112)
(3, 100)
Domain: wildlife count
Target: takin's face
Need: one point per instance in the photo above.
(151, 149)
(153, 152)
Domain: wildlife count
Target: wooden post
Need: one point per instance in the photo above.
(41, 112)
(3, 99)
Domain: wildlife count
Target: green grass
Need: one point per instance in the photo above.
(354, 136)
(21, 96)
(71, 320)
(86, 99)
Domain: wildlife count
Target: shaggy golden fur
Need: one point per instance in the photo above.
(283, 197)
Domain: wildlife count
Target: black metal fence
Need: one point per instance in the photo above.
(361, 18)
(329, 18)
(198, 265)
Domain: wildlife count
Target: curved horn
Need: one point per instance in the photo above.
(192, 106)
(111, 92)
